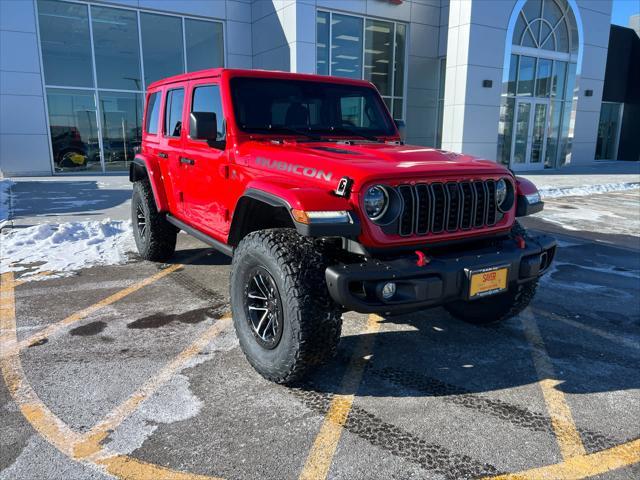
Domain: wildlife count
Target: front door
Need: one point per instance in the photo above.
(529, 134)
(206, 166)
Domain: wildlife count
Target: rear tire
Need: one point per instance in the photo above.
(154, 236)
(301, 324)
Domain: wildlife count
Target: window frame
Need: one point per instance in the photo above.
(146, 120)
(167, 109)
(190, 110)
(386, 98)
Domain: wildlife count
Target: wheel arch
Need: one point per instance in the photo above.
(258, 210)
(144, 168)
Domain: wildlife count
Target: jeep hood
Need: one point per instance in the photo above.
(363, 162)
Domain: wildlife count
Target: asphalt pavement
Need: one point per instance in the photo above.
(134, 372)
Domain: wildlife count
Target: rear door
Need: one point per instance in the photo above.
(206, 165)
(171, 145)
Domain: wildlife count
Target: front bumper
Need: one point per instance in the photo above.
(444, 279)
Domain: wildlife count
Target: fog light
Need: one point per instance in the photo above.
(389, 290)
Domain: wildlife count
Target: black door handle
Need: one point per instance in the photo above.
(163, 155)
(186, 160)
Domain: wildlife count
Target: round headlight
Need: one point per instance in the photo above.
(376, 201)
(504, 195)
(501, 191)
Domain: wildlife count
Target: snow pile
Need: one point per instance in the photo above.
(584, 190)
(5, 200)
(65, 247)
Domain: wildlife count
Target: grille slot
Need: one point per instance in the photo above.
(406, 218)
(447, 207)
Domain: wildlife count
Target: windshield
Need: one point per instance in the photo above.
(266, 105)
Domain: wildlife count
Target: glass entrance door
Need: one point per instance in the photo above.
(530, 134)
(608, 131)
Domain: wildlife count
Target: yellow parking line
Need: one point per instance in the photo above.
(84, 313)
(91, 443)
(562, 422)
(51, 427)
(324, 447)
(43, 420)
(583, 466)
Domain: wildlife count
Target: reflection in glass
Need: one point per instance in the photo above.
(522, 132)
(173, 112)
(401, 36)
(74, 130)
(121, 117)
(538, 134)
(526, 74)
(513, 72)
(505, 131)
(554, 130)
(115, 40)
(543, 77)
(378, 54)
(66, 47)
(322, 43)
(346, 46)
(161, 46)
(608, 131)
(566, 135)
(153, 113)
(207, 99)
(571, 81)
(557, 84)
(204, 45)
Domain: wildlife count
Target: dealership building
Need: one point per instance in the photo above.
(520, 82)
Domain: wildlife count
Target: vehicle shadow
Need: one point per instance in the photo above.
(587, 310)
(433, 354)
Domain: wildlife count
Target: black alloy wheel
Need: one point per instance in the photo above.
(263, 308)
(141, 222)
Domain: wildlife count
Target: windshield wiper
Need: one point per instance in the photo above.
(350, 131)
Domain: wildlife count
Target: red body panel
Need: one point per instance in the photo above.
(303, 174)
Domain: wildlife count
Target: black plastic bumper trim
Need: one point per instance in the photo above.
(443, 279)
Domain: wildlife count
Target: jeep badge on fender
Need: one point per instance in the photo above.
(326, 210)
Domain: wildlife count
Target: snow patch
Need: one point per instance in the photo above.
(584, 190)
(174, 402)
(66, 247)
(5, 201)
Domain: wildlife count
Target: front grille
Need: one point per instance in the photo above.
(447, 207)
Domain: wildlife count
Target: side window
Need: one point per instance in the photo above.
(207, 99)
(173, 112)
(153, 113)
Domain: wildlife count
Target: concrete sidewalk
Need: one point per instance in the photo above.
(37, 200)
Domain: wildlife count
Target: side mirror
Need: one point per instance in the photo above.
(203, 126)
(401, 126)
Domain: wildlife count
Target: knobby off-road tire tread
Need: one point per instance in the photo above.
(315, 319)
(160, 244)
(505, 306)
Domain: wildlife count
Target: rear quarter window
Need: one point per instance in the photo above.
(153, 113)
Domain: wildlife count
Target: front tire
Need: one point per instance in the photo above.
(285, 320)
(154, 236)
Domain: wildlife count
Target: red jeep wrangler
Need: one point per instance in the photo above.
(305, 181)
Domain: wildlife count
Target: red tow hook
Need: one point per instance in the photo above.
(520, 241)
(422, 259)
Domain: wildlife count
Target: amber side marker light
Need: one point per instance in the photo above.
(324, 216)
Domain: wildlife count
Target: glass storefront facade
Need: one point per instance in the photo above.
(98, 61)
(362, 48)
(535, 127)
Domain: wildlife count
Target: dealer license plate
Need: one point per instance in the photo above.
(488, 281)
